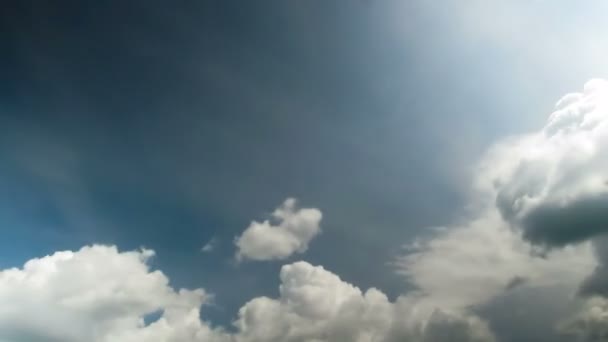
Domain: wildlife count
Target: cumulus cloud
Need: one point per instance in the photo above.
(544, 189)
(553, 187)
(97, 294)
(291, 232)
(488, 271)
(541, 224)
(316, 305)
(553, 183)
(100, 294)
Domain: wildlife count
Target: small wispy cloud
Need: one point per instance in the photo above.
(210, 246)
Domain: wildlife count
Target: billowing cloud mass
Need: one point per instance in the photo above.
(469, 265)
(101, 294)
(316, 305)
(553, 183)
(97, 294)
(540, 225)
(529, 263)
(552, 186)
(291, 233)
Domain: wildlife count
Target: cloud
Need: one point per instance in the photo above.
(294, 230)
(443, 327)
(316, 305)
(597, 283)
(539, 214)
(97, 294)
(541, 189)
(530, 313)
(552, 183)
(100, 294)
(553, 187)
(487, 270)
(589, 324)
(472, 267)
(470, 264)
(210, 246)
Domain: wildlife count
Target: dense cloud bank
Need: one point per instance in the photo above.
(528, 264)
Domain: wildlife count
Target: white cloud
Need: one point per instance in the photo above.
(99, 294)
(210, 245)
(316, 305)
(469, 265)
(553, 183)
(294, 230)
(542, 212)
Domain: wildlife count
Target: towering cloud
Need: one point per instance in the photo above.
(291, 232)
(546, 197)
(553, 183)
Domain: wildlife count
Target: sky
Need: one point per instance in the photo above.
(369, 171)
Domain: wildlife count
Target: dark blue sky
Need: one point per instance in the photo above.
(144, 123)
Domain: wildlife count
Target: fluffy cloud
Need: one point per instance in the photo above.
(540, 225)
(552, 186)
(316, 305)
(293, 231)
(484, 268)
(553, 183)
(468, 265)
(544, 189)
(97, 294)
(100, 294)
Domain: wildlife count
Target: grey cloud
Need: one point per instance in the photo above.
(552, 183)
(597, 282)
(557, 225)
(590, 324)
(542, 191)
(515, 282)
(530, 313)
(443, 327)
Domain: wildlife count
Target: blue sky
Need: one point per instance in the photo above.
(159, 125)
